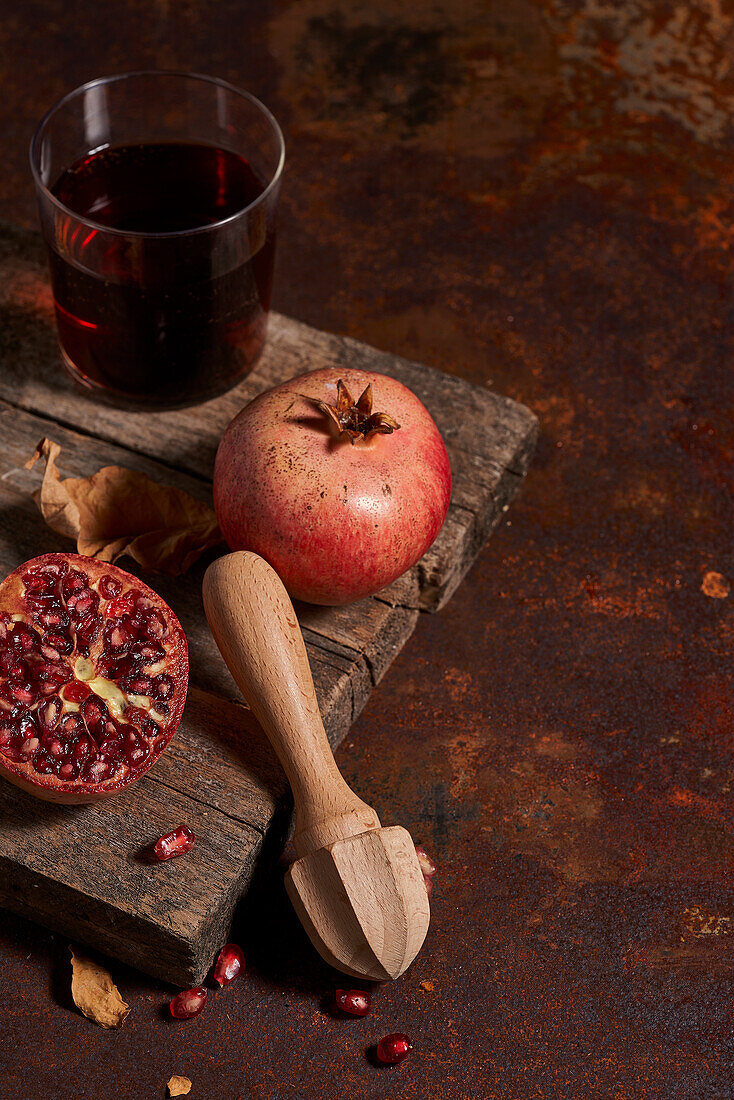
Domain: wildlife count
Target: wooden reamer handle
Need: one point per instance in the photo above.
(255, 626)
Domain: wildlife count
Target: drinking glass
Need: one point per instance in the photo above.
(157, 194)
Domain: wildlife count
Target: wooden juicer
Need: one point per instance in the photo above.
(357, 888)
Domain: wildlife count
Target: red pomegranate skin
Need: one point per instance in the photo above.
(336, 520)
(111, 587)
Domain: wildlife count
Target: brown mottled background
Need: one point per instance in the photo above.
(536, 196)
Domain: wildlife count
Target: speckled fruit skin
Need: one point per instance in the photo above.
(336, 521)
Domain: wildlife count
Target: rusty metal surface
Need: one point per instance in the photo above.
(540, 195)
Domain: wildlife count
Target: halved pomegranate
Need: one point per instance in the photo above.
(93, 676)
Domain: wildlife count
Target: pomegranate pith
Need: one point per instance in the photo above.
(355, 1002)
(71, 728)
(176, 843)
(188, 1003)
(394, 1048)
(229, 965)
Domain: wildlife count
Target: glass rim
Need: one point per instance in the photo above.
(116, 77)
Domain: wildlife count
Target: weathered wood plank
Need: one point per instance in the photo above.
(76, 869)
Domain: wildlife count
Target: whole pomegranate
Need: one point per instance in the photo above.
(93, 677)
(339, 493)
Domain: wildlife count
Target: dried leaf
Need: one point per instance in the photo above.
(118, 511)
(179, 1086)
(95, 994)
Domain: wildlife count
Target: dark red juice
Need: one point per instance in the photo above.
(163, 309)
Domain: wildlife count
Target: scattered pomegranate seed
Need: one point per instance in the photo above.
(428, 867)
(189, 1003)
(394, 1048)
(229, 965)
(176, 843)
(353, 1001)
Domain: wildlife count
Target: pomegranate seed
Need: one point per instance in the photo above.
(36, 583)
(42, 602)
(142, 603)
(88, 629)
(163, 686)
(97, 770)
(74, 582)
(53, 672)
(49, 712)
(142, 722)
(43, 764)
(176, 843)
(26, 724)
(428, 867)
(229, 965)
(58, 641)
(150, 654)
(72, 725)
(137, 754)
(394, 1048)
(29, 746)
(82, 603)
(110, 746)
(154, 625)
(106, 666)
(55, 617)
(123, 605)
(137, 684)
(25, 638)
(53, 569)
(76, 691)
(353, 1001)
(109, 587)
(119, 638)
(188, 1004)
(23, 693)
(94, 713)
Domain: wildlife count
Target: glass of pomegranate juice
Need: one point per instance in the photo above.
(157, 194)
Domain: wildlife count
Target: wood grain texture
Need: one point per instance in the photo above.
(76, 869)
(254, 623)
(363, 902)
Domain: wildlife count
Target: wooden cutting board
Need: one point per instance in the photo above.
(78, 870)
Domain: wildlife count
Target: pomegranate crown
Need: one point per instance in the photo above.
(355, 418)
